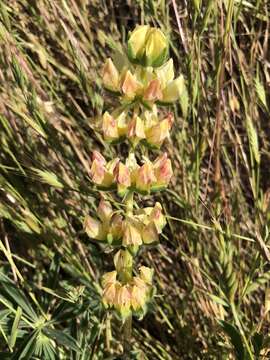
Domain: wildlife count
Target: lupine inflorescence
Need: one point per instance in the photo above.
(145, 81)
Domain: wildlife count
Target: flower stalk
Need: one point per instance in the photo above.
(146, 82)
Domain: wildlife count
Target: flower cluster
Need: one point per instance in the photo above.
(147, 85)
(127, 297)
(147, 128)
(129, 176)
(146, 80)
(143, 227)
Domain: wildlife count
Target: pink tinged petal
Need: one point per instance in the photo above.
(145, 177)
(130, 85)
(93, 228)
(104, 210)
(153, 91)
(122, 175)
(97, 172)
(109, 127)
(157, 217)
(136, 128)
(163, 170)
(99, 158)
(132, 235)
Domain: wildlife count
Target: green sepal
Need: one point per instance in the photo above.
(133, 249)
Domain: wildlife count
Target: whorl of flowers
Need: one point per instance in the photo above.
(145, 81)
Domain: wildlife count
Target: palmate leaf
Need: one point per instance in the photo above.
(27, 348)
(62, 339)
(16, 296)
(15, 326)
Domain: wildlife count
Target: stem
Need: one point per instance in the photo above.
(127, 327)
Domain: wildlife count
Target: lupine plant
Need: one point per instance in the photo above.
(144, 82)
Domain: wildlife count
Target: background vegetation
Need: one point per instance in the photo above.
(212, 267)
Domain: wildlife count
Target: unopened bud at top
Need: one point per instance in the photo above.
(147, 46)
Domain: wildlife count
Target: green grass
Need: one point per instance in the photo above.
(212, 265)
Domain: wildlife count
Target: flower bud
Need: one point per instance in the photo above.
(150, 234)
(163, 171)
(123, 261)
(173, 90)
(122, 177)
(132, 235)
(146, 274)
(147, 46)
(104, 210)
(130, 86)
(156, 49)
(109, 128)
(136, 43)
(93, 228)
(145, 177)
(153, 91)
(110, 76)
(135, 130)
(122, 300)
(159, 132)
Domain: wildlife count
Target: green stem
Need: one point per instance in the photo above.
(127, 327)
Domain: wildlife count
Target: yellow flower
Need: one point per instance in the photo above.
(153, 91)
(104, 210)
(131, 235)
(147, 46)
(93, 228)
(145, 177)
(173, 90)
(135, 130)
(122, 300)
(110, 76)
(157, 217)
(150, 234)
(146, 274)
(163, 171)
(109, 127)
(101, 172)
(165, 73)
(130, 86)
(138, 297)
(109, 285)
(122, 177)
(159, 132)
(108, 278)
